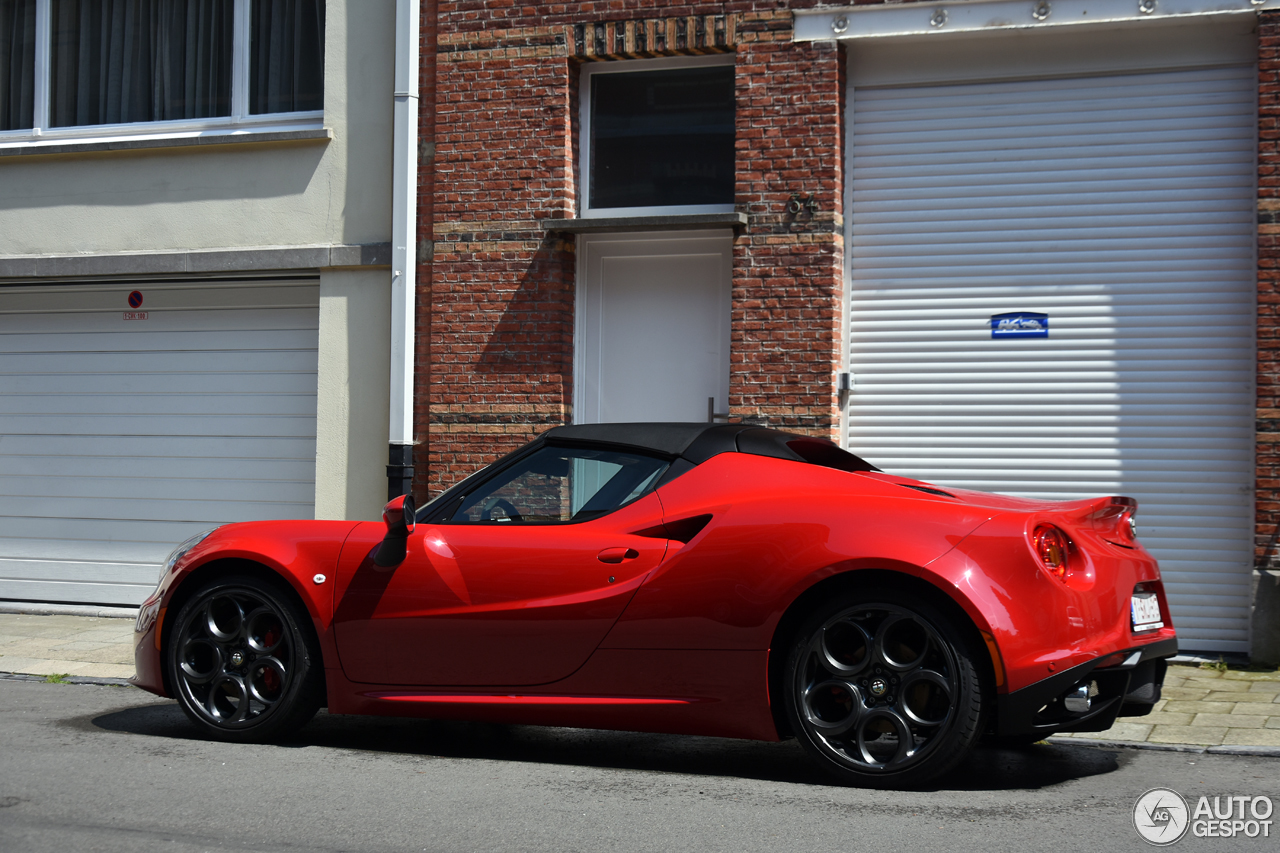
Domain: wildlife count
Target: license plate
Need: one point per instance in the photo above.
(1145, 609)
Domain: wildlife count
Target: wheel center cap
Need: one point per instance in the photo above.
(878, 687)
(237, 659)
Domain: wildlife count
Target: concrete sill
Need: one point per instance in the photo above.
(71, 146)
(678, 222)
(198, 261)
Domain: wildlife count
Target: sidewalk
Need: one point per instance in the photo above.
(1202, 706)
(66, 645)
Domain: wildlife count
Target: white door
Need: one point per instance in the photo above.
(652, 331)
(1122, 207)
(121, 437)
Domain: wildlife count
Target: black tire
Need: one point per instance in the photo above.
(244, 661)
(884, 689)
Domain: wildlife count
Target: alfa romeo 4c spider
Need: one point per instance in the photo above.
(723, 580)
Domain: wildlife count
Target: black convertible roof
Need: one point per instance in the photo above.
(698, 442)
(688, 445)
(671, 439)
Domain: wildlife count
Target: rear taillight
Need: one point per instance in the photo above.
(1053, 547)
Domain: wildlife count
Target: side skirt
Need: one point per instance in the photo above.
(673, 691)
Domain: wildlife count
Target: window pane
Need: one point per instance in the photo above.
(559, 484)
(662, 137)
(286, 65)
(17, 63)
(120, 61)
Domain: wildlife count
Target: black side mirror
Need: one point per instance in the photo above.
(399, 516)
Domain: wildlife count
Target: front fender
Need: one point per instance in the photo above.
(296, 551)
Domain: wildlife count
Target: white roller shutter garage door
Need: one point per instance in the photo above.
(121, 437)
(1122, 206)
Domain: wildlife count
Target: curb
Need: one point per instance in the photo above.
(1225, 749)
(70, 679)
(102, 611)
(1187, 657)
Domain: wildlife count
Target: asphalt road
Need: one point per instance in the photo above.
(89, 768)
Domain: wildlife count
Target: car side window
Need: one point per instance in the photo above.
(556, 485)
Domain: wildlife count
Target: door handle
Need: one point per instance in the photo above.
(617, 555)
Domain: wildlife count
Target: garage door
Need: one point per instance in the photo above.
(1120, 209)
(123, 433)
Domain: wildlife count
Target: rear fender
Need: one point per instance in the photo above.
(1042, 625)
(728, 587)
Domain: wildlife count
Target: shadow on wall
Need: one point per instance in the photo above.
(534, 333)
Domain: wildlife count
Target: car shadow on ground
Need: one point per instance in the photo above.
(985, 769)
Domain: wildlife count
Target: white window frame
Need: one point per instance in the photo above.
(240, 122)
(591, 70)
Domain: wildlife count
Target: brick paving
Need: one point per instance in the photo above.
(1200, 706)
(1206, 707)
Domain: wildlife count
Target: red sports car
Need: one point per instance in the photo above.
(724, 580)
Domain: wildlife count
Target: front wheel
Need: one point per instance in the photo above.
(883, 689)
(244, 662)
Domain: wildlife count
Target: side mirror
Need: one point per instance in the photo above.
(399, 516)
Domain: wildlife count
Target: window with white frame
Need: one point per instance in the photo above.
(84, 68)
(657, 136)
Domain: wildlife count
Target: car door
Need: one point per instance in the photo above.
(517, 586)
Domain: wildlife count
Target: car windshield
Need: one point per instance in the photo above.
(561, 484)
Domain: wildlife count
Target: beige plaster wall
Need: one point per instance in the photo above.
(244, 195)
(353, 394)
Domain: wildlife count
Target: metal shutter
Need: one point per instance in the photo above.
(120, 438)
(1123, 208)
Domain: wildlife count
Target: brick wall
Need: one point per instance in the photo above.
(788, 267)
(425, 245)
(497, 292)
(501, 289)
(1267, 515)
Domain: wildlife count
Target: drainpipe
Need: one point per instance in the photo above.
(404, 197)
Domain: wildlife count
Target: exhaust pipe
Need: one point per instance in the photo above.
(1078, 699)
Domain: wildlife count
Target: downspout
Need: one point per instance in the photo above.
(404, 198)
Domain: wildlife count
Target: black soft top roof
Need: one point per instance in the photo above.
(687, 444)
(698, 442)
(670, 439)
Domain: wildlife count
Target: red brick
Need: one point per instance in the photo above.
(496, 301)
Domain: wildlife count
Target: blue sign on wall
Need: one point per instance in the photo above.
(1020, 324)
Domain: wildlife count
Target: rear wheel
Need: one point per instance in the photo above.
(883, 689)
(244, 662)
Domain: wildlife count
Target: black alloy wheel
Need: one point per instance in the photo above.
(244, 662)
(883, 689)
